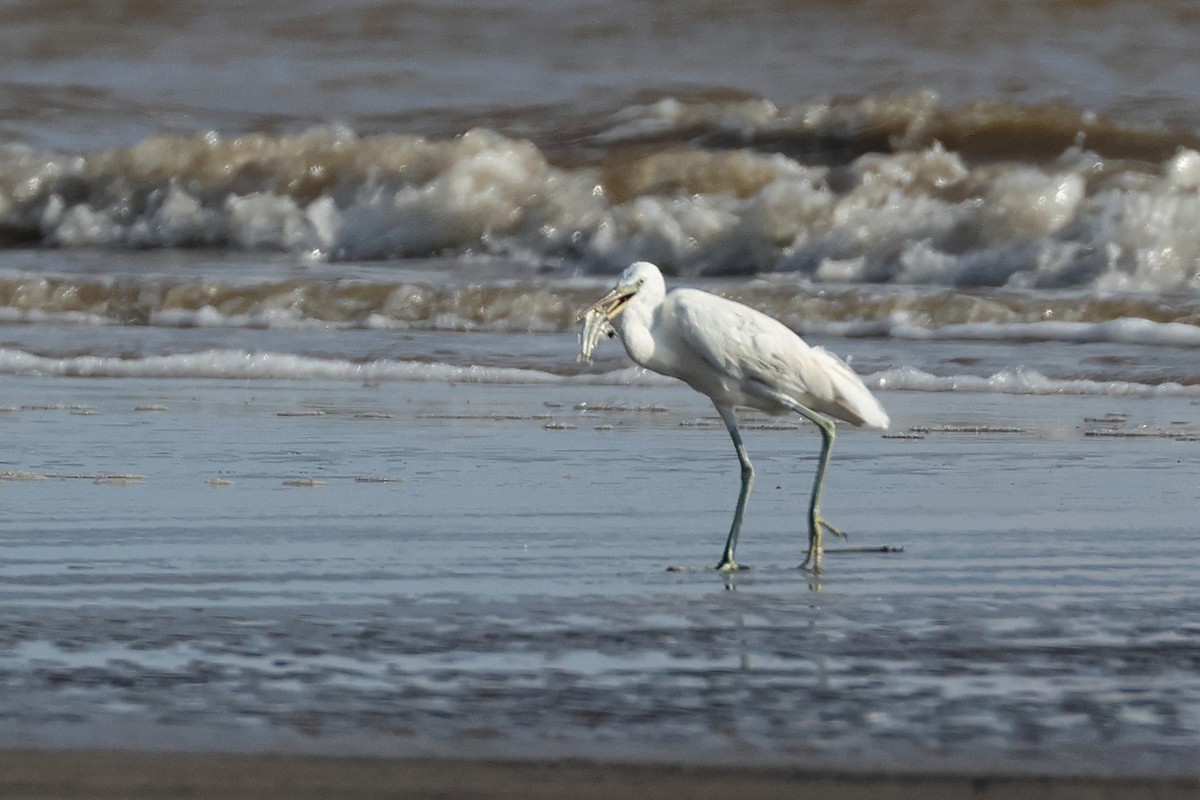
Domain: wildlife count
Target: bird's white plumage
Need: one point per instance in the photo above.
(738, 357)
(750, 352)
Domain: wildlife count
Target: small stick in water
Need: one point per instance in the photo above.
(884, 549)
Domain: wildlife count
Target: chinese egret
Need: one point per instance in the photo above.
(738, 357)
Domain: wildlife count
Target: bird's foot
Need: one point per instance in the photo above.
(729, 565)
(827, 525)
(816, 543)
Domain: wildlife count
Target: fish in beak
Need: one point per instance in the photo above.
(597, 321)
(610, 305)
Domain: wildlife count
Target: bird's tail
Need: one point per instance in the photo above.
(852, 400)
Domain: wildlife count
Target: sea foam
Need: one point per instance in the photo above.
(251, 365)
(1019, 381)
(701, 191)
(313, 300)
(245, 364)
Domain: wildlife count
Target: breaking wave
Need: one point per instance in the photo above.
(1022, 381)
(245, 364)
(879, 190)
(520, 306)
(257, 365)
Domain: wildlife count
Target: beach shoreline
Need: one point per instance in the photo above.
(384, 577)
(58, 775)
(304, 491)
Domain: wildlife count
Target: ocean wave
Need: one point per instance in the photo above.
(246, 364)
(1021, 381)
(257, 365)
(883, 190)
(1118, 331)
(502, 306)
(521, 306)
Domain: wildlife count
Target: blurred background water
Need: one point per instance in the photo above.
(298, 452)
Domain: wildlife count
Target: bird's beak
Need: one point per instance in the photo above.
(610, 305)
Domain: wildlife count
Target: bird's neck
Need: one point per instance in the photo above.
(635, 326)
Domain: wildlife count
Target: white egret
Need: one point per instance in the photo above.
(738, 357)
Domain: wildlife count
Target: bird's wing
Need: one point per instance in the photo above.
(759, 355)
(839, 391)
(718, 331)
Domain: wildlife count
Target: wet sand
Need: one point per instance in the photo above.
(454, 588)
(107, 774)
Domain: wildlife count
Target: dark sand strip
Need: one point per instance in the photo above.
(63, 774)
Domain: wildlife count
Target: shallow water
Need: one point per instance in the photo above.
(416, 568)
(298, 454)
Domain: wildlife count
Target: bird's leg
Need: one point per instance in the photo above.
(727, 564)
(815, 521)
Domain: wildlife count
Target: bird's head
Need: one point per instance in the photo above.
(634, 279)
